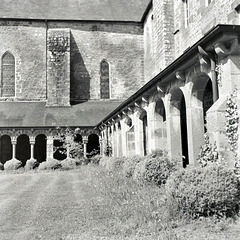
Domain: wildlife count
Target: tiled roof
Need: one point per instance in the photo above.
(36, 114)
(109, 10)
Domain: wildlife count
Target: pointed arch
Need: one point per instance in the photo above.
(104, 80)
(8, 75)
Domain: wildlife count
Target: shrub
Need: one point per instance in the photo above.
(70, 163)
(31, 164)
(140, 169)
(95, 159)
(50, 164)
(112, 163)
(12, 164)
(1, 167)
(155, 168)
(129, 165)
(159, 167)
(209, 191)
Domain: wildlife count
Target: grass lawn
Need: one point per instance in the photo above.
(89, 203)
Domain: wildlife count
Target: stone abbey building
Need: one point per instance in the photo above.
(133, 75)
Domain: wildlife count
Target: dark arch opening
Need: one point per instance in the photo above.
(207, 101)
(184, 138)
(23, 148)
(60, 152)
(5, 149)
(78, 138)
(40, 148)
(143, 117)
(160, 109)
(178, 101)
(93, 147)
(145, 125)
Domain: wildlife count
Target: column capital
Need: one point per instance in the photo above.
(85, 139)
(49, 138)
(14, 140)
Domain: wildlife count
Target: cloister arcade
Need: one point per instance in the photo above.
(41, 145)
(175, 109)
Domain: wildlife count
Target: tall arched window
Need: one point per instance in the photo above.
(8, 75)
(104, 80)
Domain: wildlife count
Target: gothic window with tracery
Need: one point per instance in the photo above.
(8, 75)
(104, 80)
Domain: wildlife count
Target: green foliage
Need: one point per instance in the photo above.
(208, 152)
(210, 191)
(70, 163)
(95, 159)
(108, 150)
(129, 165)
(112, 163)
(13, 164)
(31, 164)
(51, 164)
(159, 167)
(155, 168)
(140, 169)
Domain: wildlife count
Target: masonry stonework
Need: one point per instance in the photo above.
(26, 41)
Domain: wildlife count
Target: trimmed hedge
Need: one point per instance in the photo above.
(209, 191)
(129, 165)
(31, 164)
(51, 164)
(70, 163)
(155, 168)
(159, 167)
(12, 164)
(112, 163)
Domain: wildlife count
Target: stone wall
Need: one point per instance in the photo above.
(58, 67)
(26, 41)
(202, 18)
(120, 44)
(158, 38)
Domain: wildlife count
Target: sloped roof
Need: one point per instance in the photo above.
(109, 10)
(36, 114)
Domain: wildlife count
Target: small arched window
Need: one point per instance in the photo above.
(104, 80)
(8, 75)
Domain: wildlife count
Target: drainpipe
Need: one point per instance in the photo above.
(213, 72)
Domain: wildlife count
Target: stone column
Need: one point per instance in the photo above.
(49, 147)
(85, 142)
(32, 142)
(173, 131)
(68, 140)
(138, 130)
(124, 128)
(14, 143)
(101, 146)
(195, 126)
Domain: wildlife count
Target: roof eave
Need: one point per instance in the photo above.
(212, 34)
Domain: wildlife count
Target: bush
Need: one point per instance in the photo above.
(95, 159)
(50, 164)
(129, 165)
(140, 169)
(159, 167)
(155, 168)
(1, 167)
(112, 163)
(31, 164)
(70, 163)
(12, 164)
(209, 191)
